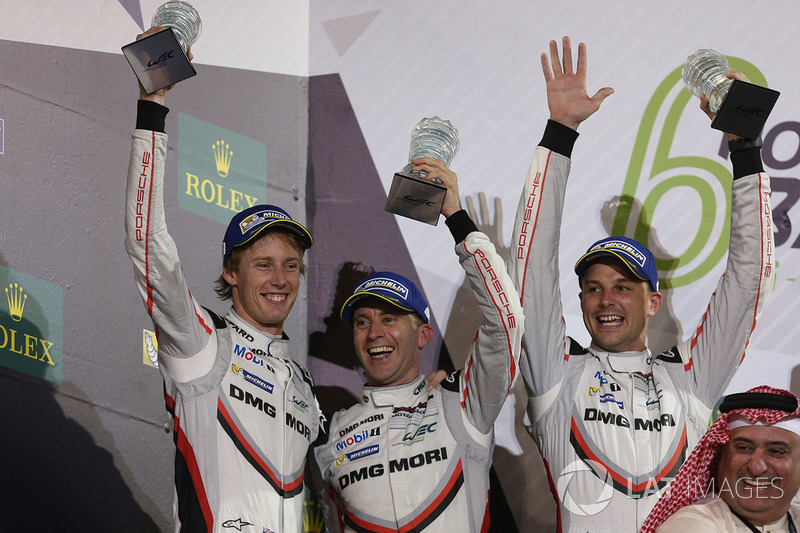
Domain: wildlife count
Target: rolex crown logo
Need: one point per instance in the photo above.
(313, 517)
(222, 157)
(16, 300)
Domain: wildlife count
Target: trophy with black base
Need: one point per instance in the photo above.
(159, 60)
(741, 108)
(411, 195)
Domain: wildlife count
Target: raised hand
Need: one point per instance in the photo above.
(434, 378)
(704, 105)
(438, 172)
(567, 98)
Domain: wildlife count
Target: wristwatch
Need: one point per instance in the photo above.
(737, 145)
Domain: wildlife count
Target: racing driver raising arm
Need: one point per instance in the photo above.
(408, 458)
(615, 409)
(240, 440)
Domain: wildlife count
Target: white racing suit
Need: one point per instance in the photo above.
(614, 428)
(244, 413)
(409, 460)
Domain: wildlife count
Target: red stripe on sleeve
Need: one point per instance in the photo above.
(147, 230)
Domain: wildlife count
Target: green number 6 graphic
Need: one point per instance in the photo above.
(668, 172)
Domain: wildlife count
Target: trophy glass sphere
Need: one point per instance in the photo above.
(739, 107)
(182, 18)
(433, 137)
(411, 195)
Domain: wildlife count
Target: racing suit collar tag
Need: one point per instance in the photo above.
(628, 362)
(398, 395)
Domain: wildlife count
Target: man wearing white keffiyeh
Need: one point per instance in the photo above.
(743, 473)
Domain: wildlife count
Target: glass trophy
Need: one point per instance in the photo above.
(741, 108)
(159, 60)
(411, 194)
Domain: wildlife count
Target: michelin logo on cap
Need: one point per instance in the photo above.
(387, 283)
(256, 219)
(625, 247)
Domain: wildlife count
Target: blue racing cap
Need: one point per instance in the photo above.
(247, 224)
(396, 289)
(632, 253)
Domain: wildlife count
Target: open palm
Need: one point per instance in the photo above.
(567, 98)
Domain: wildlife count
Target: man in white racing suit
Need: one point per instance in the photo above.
(613, 421)
(407, 458)
(244, 412)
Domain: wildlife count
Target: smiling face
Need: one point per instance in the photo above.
(265, 281)
(388, 342)
(759, 472)
(616, 306)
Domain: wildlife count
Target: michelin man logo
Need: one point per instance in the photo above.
(150, 348)
(579, 468)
